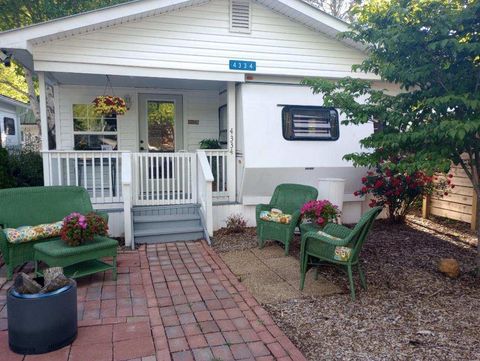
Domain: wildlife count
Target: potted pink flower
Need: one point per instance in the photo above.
(78, 228)
(319, 212)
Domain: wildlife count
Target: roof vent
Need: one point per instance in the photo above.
(240, 16)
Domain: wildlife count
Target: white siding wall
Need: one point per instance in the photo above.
(198, 38)
(201, 105)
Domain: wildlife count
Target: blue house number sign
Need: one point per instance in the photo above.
(243, 65)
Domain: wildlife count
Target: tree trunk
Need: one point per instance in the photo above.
(477, 227)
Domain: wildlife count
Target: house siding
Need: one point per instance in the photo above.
(199, 38)
(201, 105)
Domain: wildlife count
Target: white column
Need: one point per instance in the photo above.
(44, 127)
(231, 144)
(127, 198)
(43, 110)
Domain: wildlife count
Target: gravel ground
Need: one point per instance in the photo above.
(410, 311)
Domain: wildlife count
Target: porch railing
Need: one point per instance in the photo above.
(98, 172)
(217, 160)
(157, 178)
(164, 178)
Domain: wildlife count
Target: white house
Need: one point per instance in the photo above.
(10, 111)
(223, 69)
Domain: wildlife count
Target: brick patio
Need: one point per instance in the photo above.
(175, 301)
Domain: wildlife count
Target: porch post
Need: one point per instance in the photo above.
(44, 127)
(127, 198)
(232, 148)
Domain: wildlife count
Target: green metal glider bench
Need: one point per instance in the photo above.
(323, 246)
(289, 198)
(39, 205)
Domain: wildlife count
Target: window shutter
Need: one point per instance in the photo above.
(240, 16)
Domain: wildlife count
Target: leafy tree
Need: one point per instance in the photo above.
(431, 50)
(20, 13)
(12, 84)
(341, 9)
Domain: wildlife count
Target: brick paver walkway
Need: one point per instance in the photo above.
(175, 301)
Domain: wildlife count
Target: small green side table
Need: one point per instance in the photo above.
(309, 227)
(78, 261)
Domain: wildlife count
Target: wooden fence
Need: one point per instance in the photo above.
(460, 204)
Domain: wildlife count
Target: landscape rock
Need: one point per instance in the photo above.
(449, 267)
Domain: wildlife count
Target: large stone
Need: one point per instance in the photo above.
(449, 267)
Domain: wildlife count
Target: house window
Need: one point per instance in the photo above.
(93, 132)
(9, 126)
(310, 123)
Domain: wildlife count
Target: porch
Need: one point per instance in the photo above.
(149, 156)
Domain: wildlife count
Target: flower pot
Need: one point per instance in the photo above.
(42, 323)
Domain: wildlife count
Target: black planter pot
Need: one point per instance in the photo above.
(42, 323)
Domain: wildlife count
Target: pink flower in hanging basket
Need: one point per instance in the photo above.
(106, 105)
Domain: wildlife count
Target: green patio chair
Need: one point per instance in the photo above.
(323, 247)
(289, 198)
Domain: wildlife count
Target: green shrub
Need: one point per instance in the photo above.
(26, 167)
(20, 168)
(6, 179)
(210, 144)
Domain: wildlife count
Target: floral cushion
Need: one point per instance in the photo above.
(342, 253)
(275, 215)
(329, 236)
(33, 233)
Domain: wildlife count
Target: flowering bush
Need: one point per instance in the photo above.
(399, 191)
(320, 212)
(108, 105)
(78, 229)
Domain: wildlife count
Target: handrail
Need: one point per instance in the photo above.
(204, 190)
(205, 166)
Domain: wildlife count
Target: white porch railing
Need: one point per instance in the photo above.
(164, 178)
(98, 172)
(218, 164)
(204, 185)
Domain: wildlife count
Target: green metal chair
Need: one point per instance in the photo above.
(289, 198)
(322, 247)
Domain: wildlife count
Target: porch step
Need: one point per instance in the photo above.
(159, 224)
(170, 221)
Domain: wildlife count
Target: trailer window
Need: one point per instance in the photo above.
(9, 126)
(310, 123)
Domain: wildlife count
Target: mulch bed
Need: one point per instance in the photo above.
(410, 311)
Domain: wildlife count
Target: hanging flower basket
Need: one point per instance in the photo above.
(108, 105)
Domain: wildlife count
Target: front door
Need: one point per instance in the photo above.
(161, 134)
(161, 123)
